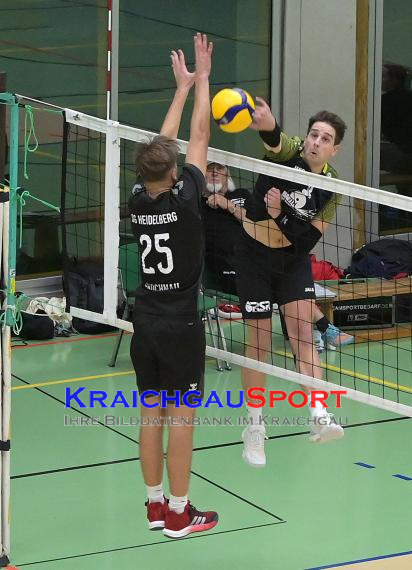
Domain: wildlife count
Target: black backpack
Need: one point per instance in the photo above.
(84, 289)
(383, 258)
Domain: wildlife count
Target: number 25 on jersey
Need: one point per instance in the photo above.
(165, 266)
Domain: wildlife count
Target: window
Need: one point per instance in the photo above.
(396, 113)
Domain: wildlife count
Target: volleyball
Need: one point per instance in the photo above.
(232, 109)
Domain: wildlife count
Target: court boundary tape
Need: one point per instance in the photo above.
(160, 542)
(77, 410)
(195, 449)
(135, 441)
(69, 380)
(361, 561)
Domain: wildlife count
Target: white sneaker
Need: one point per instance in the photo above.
(254, 446)
(325, 429)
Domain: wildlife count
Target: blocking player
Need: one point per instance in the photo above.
(168, 345)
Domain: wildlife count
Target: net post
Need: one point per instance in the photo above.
(10, 277)
(111, 220)
(5, 404)
(8, 254)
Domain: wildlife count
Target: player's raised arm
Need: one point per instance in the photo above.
(266, 124)
(184, 82)
(200, 123)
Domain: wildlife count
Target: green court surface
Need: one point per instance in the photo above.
(78, 495)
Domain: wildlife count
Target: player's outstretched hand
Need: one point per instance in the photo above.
(184, 78)
(263, 120)
(203, 55)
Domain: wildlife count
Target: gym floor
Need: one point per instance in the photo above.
(78, 495)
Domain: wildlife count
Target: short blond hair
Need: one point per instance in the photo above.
(156, 158)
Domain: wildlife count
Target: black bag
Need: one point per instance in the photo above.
(84, 289)
(383, 258)
(36, 326)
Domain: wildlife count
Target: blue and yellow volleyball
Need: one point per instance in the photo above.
(232, 109)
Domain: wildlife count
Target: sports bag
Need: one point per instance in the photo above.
(385, 258)
(84, 289)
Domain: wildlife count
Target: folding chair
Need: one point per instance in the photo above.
(208, 305)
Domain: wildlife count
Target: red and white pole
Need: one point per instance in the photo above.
(109, 57)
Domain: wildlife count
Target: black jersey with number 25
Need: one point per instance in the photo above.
(168, 230)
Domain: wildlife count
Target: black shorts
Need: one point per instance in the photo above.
(168, 353)
(267, 275)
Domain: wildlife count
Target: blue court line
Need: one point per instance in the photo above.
(396, 555)
(405, 477)
(365, 465)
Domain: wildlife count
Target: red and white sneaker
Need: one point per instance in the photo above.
(227, 311)
(156, 514)
(191, 520)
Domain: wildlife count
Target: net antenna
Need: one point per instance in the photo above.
(100, 173)
(112, 59)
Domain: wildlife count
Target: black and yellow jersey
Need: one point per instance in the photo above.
(302, 201)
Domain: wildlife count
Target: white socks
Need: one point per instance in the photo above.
(255, 415)
(155, 494)
(318, 410)
(177, 504)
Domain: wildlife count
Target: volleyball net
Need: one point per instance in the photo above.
(94, 166)
(99, 174)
